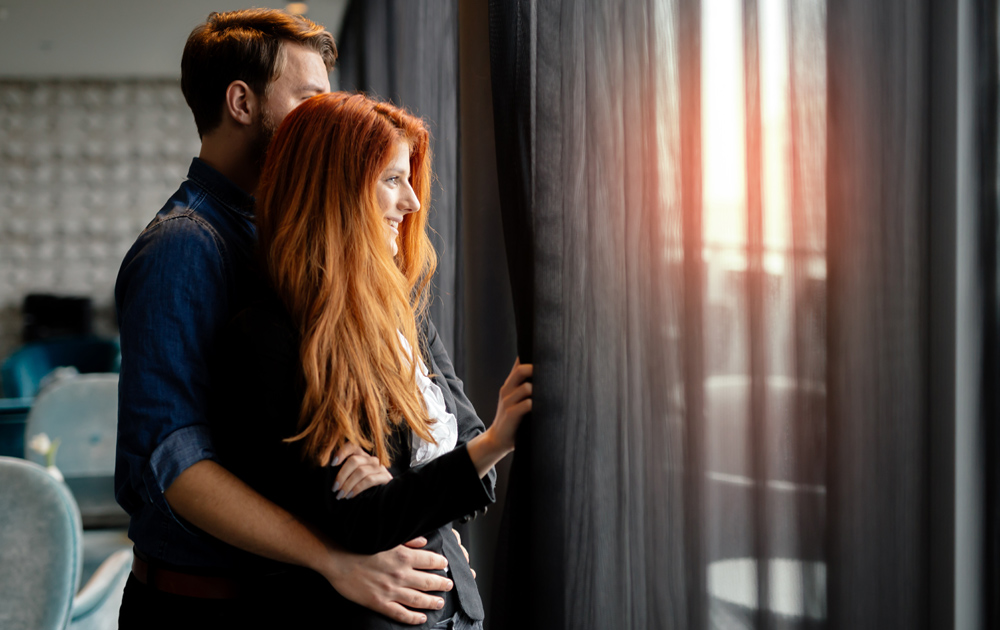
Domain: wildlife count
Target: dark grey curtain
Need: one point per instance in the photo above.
(407, 52)
(735, 398)
(987, 22)
(596, 527)
(878, 216)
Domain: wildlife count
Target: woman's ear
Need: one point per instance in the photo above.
(241, 103)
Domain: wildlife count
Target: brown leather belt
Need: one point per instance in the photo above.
(185, 584)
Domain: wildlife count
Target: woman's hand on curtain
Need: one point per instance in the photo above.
(490, 447)
(359, 472)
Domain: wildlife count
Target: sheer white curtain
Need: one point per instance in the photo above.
(727, 209)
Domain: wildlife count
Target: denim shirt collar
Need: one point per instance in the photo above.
(222, 188)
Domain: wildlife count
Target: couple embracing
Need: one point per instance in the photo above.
(293, 442)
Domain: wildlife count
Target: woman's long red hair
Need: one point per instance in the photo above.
(325, 251)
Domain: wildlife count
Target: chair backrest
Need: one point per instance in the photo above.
(82, 411)
(22, 372)
(40, 547)
(13, 416)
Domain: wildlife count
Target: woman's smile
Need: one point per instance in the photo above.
(396, 198)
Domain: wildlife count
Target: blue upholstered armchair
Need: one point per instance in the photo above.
(41, 557)
(82, 413)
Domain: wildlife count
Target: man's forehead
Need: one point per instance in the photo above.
(301, 64)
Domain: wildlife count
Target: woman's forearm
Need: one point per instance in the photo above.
(418, 501)
(486, 451)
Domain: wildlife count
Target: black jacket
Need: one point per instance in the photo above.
(258, 389)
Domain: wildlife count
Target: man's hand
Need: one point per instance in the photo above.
(387, 582)
(216, 501)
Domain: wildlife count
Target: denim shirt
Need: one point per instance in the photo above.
(189, 272)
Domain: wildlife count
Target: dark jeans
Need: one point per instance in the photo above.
(274, 603)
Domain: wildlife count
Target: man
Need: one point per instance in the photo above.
(188, 273)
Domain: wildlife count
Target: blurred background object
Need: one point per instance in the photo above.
(42, 557)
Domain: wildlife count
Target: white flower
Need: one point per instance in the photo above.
(40, 443)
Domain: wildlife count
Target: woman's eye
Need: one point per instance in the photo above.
(392, 180)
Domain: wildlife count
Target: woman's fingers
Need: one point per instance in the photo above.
(518, 394)
(518, 374)
(514, 403)
(522, 408)
(358, 474)
(347, 450)
(363, 478)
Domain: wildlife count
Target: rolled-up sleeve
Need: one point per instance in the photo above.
(172, 298)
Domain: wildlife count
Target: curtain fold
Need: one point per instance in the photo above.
(987, 20)
(589, 545)
(877, 310)
(407, 52)
(528, 591)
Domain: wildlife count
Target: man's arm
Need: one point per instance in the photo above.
(217, 502)
(165, 458)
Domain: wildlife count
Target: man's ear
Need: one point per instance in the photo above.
(241, 103)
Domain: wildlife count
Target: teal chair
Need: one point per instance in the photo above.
(41, 550)
(82, 412)
(41, 556)
(22, 373)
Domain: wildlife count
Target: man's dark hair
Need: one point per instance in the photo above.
(245, 46)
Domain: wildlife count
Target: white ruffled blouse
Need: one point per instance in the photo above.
(444, 425)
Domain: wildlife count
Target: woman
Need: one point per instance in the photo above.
(337, 399)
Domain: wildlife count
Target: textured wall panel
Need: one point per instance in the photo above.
(84, 166)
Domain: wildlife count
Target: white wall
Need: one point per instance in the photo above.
(94, 136)
(113, 38)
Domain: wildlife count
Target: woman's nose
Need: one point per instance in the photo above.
(409, 202)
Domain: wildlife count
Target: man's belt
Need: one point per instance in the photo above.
(176, 582)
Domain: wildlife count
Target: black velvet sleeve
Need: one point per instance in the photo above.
(469, 424)
(257, 397)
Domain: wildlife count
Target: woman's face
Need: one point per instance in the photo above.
(396, 198)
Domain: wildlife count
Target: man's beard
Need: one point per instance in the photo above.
(266, 128)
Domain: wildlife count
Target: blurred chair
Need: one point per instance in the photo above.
(82, 412)
(23, 371)
(13, 414)
(97, 604)
(40, 548)
(41, 557)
